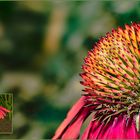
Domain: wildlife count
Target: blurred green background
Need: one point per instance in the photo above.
(42, 46)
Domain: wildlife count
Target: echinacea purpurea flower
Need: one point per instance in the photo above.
(111, 76)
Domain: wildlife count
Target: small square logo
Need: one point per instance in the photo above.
(6, 113)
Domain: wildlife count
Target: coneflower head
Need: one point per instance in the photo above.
(112, 74)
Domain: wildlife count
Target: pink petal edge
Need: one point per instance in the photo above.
(70, 127)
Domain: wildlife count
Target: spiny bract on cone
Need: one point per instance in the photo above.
(112, 94)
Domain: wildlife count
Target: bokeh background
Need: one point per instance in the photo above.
(42, 46)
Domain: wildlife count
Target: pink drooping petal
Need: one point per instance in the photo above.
(4, 109)
(3, 112)
(70, 127)
(105, 130)
(131, 131)
(74, 129)
(1, 116)
(117, 128)
(85, 135)
(92, 130)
